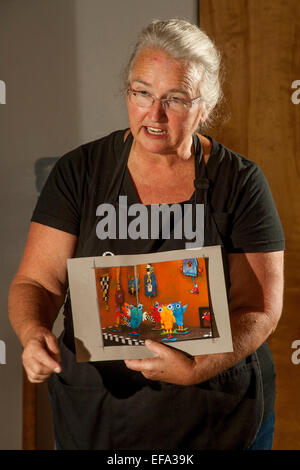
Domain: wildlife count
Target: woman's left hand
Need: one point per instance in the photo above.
(170, 365)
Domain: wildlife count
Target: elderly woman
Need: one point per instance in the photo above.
(219, 401)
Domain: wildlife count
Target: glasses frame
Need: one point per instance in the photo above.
(164, 101)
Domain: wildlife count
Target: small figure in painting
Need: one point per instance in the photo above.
(179, 311)
(206, 323)
(136, 317)
(156, 315)
(118, 319)
(125, 317)
(167, 318)
(147, 317)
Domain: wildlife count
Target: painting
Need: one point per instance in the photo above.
(177, 298)
(164, 301)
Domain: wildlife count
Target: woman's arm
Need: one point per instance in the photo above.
(255, 304)
(36, 295)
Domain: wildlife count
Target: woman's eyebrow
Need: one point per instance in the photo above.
(172, 90)
(178, 90)
(136, 80)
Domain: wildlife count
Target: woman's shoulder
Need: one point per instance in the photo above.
(218, 155)
(206, 146)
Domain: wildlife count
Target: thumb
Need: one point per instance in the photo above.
(155, 347)
(53, 348)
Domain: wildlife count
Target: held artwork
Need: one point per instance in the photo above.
(165, 301)
(177, 298)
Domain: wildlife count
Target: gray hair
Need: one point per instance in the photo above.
(185, 42)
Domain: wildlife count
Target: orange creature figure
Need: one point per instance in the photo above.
(167, 318)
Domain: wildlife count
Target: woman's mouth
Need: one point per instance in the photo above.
(155, 130)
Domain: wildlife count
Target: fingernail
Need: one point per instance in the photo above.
(57, 370)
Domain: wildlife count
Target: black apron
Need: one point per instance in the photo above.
(105, 406)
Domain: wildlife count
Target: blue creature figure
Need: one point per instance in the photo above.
(136, 317)
(178, 311)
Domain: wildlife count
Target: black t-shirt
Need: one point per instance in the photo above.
(239, 197)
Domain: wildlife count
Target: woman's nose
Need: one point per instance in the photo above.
(157, 112)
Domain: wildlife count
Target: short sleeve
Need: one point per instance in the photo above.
(59, 204)
(256, 226)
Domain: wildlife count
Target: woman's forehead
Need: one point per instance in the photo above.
(150, 57)
(153, 66)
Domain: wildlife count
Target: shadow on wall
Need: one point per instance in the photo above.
(42, 168)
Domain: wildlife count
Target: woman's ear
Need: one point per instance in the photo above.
(201, 119)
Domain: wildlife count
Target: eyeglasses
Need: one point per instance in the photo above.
(144, 99)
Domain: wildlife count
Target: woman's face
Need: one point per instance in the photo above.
(157, 73)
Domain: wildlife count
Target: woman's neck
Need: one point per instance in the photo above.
(141, 157)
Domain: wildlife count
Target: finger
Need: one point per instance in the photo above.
(39, 368)
(34, 368)
(38, 355)
(46, 360)
(37, 373)
(33, 378)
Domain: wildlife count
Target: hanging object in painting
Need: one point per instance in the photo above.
(150, 282)
(190, 268)
(133, 285)
(104, 283)
(119, 291)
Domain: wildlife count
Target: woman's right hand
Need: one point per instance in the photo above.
(41, 355)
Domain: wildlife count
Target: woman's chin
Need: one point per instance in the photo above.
(154, 143)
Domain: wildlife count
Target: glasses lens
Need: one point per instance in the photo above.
(177, 106)
(145, 100)
(140, 99)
